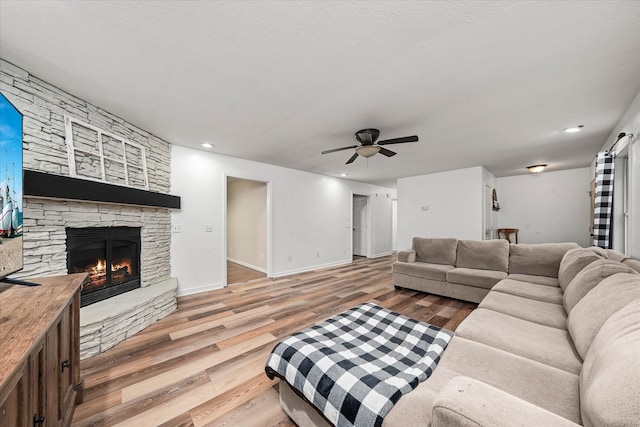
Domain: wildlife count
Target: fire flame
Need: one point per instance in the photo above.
(101, 266)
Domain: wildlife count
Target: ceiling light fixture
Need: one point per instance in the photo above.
(344, 174)
(207, 145)
(367, 150)
(573, 129)
(536, 168)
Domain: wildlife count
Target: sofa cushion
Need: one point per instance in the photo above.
(541, 259)
(544, 313)
(573, 262)
(466, 402)
(589, 278)
(542, 385)
(475, 277)
(538, 280)
(423, 270)
(610, 377)
(483, 254)
(590, 313)
(633, 263)
(407, 256)
(529, 290)
(435, 251)
(544, 344)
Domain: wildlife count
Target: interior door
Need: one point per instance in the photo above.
(360, 225)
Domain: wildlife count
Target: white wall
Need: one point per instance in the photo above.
(546, 207)
(310, 217)
(247, 223)
(454, 203)
(630, 124)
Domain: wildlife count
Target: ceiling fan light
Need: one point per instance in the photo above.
(367, 150)
(536, 168)
(573, 129)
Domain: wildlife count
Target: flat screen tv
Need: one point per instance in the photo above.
(10, 188)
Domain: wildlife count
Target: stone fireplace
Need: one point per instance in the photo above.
(56, 200)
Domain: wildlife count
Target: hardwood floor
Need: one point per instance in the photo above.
(204, 364)
(237, 273)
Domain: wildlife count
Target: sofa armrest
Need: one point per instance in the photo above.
(465, 402)
(407, 256)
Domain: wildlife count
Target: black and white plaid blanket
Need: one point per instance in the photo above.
(356, 365)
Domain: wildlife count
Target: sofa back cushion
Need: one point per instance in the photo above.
(589, 278)
(633, 263)
(590, 313)
(542, 259)
(435, 251)
(610, 376)
(573, 262)
(615, 255)
(483, 254)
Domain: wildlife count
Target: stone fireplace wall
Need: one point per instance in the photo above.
(44, 149)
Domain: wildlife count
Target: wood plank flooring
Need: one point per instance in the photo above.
(237, 273)
(204, 364)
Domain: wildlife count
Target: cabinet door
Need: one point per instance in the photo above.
(14, 400)
(37, 383)
(66, 391)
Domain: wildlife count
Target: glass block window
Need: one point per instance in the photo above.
(102, 156)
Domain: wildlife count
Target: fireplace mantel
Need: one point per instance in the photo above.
(40, 184)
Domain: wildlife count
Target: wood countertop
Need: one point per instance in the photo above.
(27, 313)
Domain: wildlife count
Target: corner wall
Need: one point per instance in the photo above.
(546, 207)
(445, 204)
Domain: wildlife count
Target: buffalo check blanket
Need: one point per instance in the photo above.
(356, 365)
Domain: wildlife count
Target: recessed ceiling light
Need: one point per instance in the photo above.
(344, 174)
(573, 129)
(536, 168)
(207, 145)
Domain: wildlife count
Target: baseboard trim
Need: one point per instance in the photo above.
(246, 264)
(311, 268)
(198, 289)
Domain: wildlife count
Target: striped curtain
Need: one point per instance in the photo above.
(603, 201)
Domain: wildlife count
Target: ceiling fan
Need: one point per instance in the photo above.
(368, 147)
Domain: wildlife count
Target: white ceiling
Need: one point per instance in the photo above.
(481, 83)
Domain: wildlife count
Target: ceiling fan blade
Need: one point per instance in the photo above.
(386, 152)
(340, 149)
(402, 140)
(352, 159)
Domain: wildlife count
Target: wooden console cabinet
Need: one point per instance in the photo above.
(40, 352)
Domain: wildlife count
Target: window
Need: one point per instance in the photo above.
(102, 156)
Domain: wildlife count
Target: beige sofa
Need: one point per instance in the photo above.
(468, 269)
(534, 354)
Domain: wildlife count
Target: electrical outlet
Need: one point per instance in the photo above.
(176, 228)
(208, 228)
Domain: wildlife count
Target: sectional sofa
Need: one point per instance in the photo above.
(468, 269)
(560, 349)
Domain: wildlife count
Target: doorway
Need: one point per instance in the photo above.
(489, 226)
(360, 225)
(247, 230)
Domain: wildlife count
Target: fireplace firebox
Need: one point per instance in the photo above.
(109, 255)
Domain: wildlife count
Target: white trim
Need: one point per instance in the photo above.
(312, 268)
(198, 289)
(245, 264)
(381, 255)
(269, 248)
